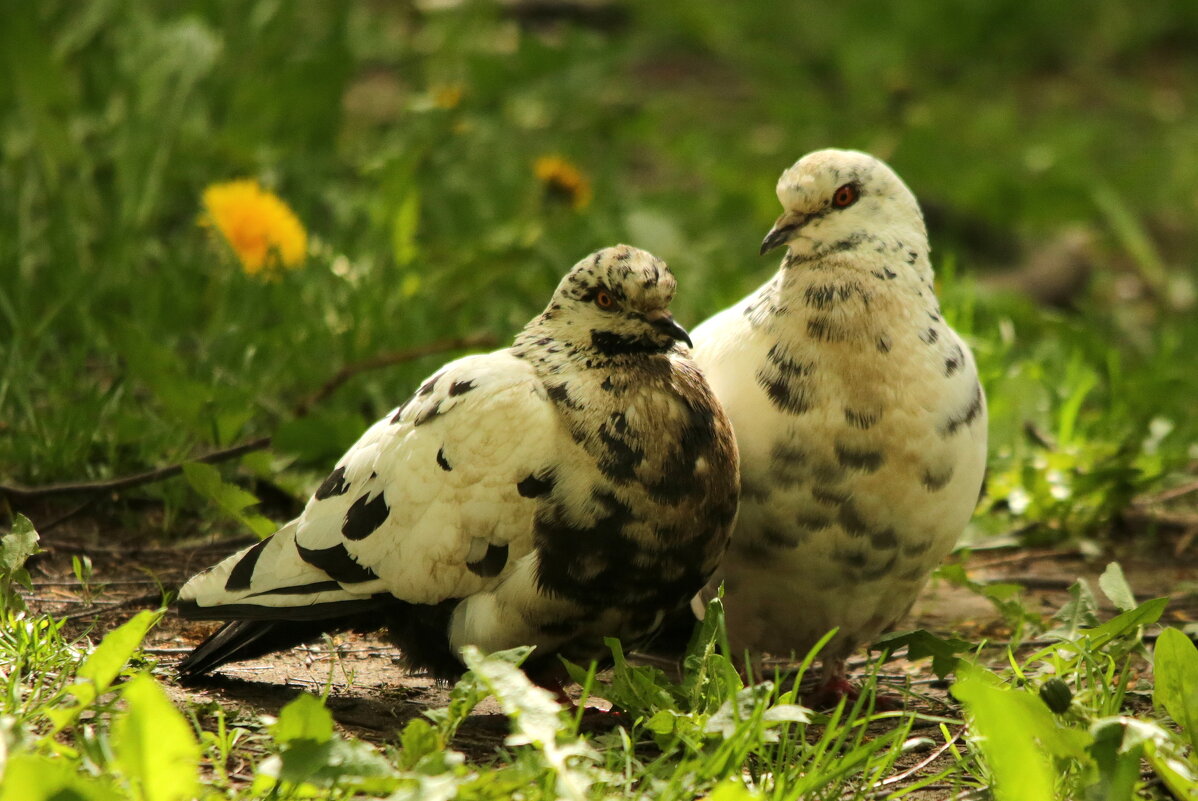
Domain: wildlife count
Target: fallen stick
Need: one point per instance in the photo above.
(23, 493)
(19, 492)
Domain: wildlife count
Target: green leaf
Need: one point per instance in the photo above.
(732, 790)
(535, 715)
(1079, 612)
(1145, 614)
(104, 664)
(233, 500)
(117, 648)
(334, 763)
(18, 545)
(537, 720)
(1118, 767)
(1017, 734)
(729, 718)
(206, 480)
(708, 674)
(787, 713)
(637, 689)
(1175, 665)
(1179, 777)
(31, 777)
(1021, 770)
(305, 718)
(1156, 744)
(154, 744)
(921, 643)
(312, 756)
(1115, 587)
(418, 740)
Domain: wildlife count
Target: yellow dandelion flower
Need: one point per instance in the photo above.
(564, 181)
(447, 97)
(260, 228)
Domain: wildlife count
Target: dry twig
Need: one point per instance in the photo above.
(22, 493)
(18, 492)
(481, 340)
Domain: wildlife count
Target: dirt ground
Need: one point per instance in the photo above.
(372, 698)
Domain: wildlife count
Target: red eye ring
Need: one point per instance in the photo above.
(845, 196)
(604, 300)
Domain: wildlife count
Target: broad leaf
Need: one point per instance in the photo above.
(637, 689)
(1129, 622)
(30, 777)
(18, 545)
(1118, 766)
(233, 500)
(104, 664)
(1017, 735)
(305, 718)
(1175, 665)
(1079, 612)
(921, 643)
(1115, 587)
(154, 744)
(313, 755)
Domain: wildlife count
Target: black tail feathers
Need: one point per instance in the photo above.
(420, 630)
(247, 638)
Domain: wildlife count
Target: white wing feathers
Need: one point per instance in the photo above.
(425, 506)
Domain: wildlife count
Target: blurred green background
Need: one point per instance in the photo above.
(1054, 147)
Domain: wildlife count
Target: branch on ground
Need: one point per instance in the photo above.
(480, 340)
(19, 492)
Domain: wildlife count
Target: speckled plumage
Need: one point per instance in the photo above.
(581, 484)
(858, 413)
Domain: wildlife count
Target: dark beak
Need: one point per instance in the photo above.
(664, 322)
(784, 227)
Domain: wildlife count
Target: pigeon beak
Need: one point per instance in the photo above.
(784, 226)
(664, 322)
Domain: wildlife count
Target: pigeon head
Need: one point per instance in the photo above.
(615, 301)
(841, 200)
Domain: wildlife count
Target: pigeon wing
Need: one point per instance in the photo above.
(435, 501)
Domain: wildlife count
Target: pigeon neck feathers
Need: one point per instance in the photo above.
(846, 298)
(611, 310)
(856, 252)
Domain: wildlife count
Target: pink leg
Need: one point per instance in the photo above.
(835, 686)
(593, 719)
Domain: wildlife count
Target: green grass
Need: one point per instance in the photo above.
(1051, 724)
(131, 339)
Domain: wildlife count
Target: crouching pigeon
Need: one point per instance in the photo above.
(858, 413)
(580, 484)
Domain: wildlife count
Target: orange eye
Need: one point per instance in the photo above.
(604, 299)
(845, 196)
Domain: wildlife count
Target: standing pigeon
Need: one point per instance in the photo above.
(580, 484)
(858, 413)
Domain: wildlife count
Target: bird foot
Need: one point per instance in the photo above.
(828, 694)
(596, 721)
(593, 719)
